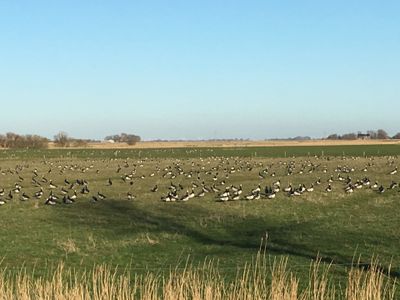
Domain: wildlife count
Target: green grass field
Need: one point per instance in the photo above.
(146, 234)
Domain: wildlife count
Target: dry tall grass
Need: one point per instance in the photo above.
(257, 280)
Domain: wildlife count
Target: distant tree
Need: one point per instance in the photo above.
(333, 137)
(396, 136)
(349, 136)
(2, 141)
(382, 134)
(130, 139)
(373, 134)
(61, 139)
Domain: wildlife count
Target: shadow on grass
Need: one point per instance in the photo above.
(122, 218)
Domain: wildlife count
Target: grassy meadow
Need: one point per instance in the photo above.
(141, 236)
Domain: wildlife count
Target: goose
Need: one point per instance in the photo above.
(234, 188)
(328, 188)
(225, 194)
(294, 192)
(375, 185)
(201, 193)
(366, 181)
(52, 185)
(358, 185)
(381, 189)
(101, 196)
(349, 189)
(311, 188)
(2, 202)
(154, 189)
(223, 199)
(256, 190)
(109, 182)
(318, 182)
(50, 201)
(288, 188)
(85, 190)
(2, 192)
(250, 197)
(192, 194)
(393, 171)
(240, 190)
(185, 197)
(236, 197)
(66, 181)
(74, 196)
(215, 189)
(66, 200)
(173, 187)
(277, 183)
(64, 191)
(206, 189)
(94, 199)
(25, 197)
(393, 185)
(164, 199)
(130, 196)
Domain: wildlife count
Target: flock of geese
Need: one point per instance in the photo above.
(233, 193)
(187, 179)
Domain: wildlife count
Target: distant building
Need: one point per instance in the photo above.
(363, 136)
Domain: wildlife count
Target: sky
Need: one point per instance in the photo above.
(199, 69)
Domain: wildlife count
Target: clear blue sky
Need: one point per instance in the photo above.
(199, 69)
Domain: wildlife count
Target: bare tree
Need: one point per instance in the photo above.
(396, 136)
(382, 134)
(62, 139)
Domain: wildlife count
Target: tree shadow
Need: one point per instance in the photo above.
(122, 218)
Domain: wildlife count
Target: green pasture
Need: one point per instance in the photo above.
(145, 234)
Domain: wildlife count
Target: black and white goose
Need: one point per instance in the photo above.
(349, 189)
(67, 200)
(393, 172)
(38, 194)
(250, 196)
(74, 196)
(52, 185)
(288, 188)
(311, 188)
(25, 197)
(328, 188)
(256, 190)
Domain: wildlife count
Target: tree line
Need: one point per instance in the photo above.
(16, 141)
(379, 134)
(12, 140)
